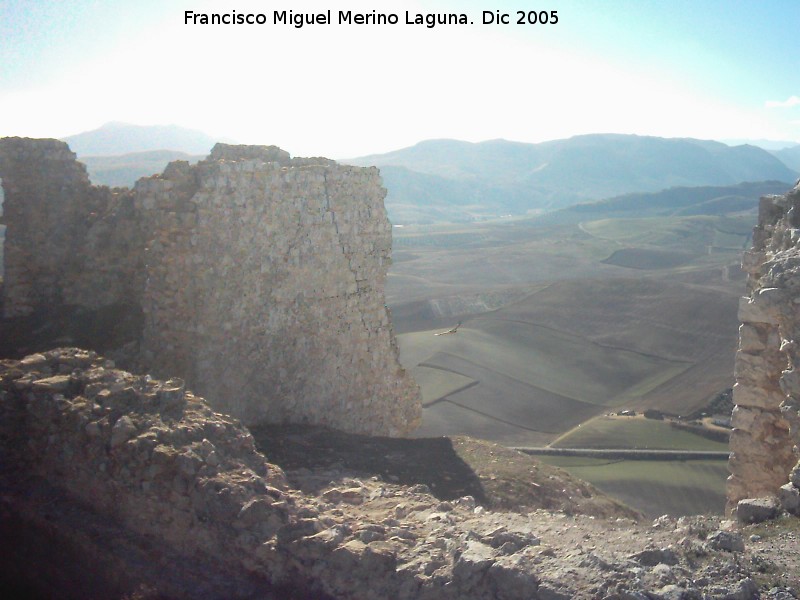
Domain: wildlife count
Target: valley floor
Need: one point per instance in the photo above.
(564, 322)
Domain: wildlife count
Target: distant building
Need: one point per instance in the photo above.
(721, 420)
(652, 413)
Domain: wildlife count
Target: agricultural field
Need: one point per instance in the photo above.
(554, 332)
(635, 433)
(564, 354)
(529, 377)
(564, 322)
(654, 487)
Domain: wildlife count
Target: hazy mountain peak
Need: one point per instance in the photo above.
(117, 137)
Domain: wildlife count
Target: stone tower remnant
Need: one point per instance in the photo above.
(766, 420)
(260, 276)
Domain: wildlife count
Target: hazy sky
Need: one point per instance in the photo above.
(717, 69)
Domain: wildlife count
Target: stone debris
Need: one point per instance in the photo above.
(726, 540)
(260, 277)
(154, 461)
(653, 557)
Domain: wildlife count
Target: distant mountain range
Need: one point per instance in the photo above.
(117, 154)
(453, 180)
(789, 156)
(769, 145)
(117, 138)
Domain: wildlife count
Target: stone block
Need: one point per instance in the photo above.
(123, 430)
(726, 540)
(754, 369)
(474, 562)
(745, 394)
(744, 419)
(789, 497)
(794, 476)
(757, 510)
(751, 340)
(756, 310)
(790, 383)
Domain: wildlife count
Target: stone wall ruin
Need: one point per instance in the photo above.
(67, 242)
(260, 276)
(766, 420)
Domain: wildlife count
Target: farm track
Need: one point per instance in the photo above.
(628, 453)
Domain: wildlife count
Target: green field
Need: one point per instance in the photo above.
(557, 362)
(523, 384)
(567, 352)
(437, 383)
(654, 487)
(564, 322)
(689, 234)
(633, 432)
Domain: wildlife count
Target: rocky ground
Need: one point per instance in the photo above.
(394, 494)
(497, 477)
(121, 486)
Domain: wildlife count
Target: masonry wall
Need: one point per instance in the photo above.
(261, 277)
(66, 242)
(767, 390)
(266, 288)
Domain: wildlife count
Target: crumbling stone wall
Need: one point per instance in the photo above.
(261, 276)
(66, 241)
(148, 456)
(767, 391)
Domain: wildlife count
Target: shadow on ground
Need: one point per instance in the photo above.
(498, 478)
(106, 330)
(430, 461)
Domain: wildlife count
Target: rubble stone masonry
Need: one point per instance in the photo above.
(261, 276)
(767, 392)
(67, 242)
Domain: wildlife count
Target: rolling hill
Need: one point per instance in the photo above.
(488, 179)
(117, 154)
(117, 138)
(676, 201)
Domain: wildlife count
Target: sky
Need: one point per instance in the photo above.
(711, 69)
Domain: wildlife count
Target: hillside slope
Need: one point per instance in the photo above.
(789, 156)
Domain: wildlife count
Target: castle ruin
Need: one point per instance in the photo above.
(260, 276)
